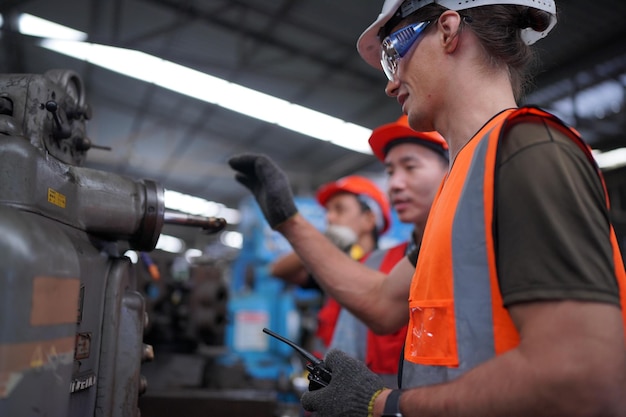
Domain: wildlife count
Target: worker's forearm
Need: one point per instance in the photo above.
(351, 283)
(492, 389)
(290, 268)
(346, 280)
(500, 388)
(580, 377)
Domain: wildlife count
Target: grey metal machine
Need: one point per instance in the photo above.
(71, 317)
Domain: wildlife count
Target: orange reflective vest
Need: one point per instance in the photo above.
(448, 336)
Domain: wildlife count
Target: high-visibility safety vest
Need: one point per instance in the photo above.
(448, 336)
(326, 321)
(329, 313)
(381, 353)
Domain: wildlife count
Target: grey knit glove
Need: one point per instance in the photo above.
(269, 185)
(350, 390)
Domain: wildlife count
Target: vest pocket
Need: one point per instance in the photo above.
(431, 337)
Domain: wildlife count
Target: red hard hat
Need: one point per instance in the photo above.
(360, 186)
(382, 138)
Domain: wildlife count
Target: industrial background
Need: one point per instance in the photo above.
(300, 51)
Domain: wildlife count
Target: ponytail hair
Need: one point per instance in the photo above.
(499, 30)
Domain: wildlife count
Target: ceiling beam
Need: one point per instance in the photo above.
(264, 38)
(599, 65)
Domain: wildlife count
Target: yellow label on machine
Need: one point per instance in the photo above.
(56, 198)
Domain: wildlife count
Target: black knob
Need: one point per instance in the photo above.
(62, 131)
(6, 106)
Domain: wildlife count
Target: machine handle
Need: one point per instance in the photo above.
(208, 224)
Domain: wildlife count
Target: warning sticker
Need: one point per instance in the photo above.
(249, 334)
(56, 198)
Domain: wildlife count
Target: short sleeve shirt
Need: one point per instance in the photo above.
(552, 224)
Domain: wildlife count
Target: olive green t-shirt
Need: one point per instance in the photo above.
(551, 226)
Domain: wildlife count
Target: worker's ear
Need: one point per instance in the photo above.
(449, 27)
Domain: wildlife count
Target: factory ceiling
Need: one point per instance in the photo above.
(302, 51)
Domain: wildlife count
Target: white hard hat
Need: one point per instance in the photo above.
(368, 44)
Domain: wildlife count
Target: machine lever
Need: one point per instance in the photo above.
(62, 131)
(84, 144)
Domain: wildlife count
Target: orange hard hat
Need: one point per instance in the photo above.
(386, 136)
(367, 191)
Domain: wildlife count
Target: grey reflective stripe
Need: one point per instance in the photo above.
(350, 334)
(375, 259)
(472, 285)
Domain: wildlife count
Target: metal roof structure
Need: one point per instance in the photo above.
(302, 51)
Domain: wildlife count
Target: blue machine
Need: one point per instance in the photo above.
(258, 300)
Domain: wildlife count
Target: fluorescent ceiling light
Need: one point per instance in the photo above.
(192, 253)
(132, 255)
(171, 244)
(232, 239)
(213, 90)
(200, 207)
(611, 159)
(36, 26)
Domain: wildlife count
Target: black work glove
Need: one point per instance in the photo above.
(350, 390)
(269, 185)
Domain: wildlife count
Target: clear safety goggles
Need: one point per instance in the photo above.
(397, 44)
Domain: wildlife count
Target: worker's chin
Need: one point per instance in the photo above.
(405, 216)
(418, 121)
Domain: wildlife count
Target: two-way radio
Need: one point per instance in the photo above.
(319, 376)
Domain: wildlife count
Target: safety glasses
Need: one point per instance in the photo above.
(397, 44)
